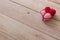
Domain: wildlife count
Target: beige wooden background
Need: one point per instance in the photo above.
(20, 20)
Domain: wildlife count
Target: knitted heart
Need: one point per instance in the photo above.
(53, 12)
(47, 13)
(47, 9)
(47, 16)
(42, 12)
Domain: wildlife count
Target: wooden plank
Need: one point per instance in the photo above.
(14, 30)
(30, 18)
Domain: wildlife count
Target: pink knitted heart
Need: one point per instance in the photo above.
(47, 15)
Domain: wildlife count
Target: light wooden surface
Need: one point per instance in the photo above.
(20, 20)
(55, 1)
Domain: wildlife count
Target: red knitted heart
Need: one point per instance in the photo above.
(53, 12)
(47, 9)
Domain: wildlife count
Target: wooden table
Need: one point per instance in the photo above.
(20, 20)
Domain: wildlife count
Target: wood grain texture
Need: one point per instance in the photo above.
(38, 5)
(14, 30)
(50, 29)
(55, 1)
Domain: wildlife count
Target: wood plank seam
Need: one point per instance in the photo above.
(23, 6)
